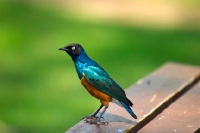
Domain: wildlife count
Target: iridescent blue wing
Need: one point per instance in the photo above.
(98, 78)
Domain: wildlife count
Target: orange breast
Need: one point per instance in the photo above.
(105, 99)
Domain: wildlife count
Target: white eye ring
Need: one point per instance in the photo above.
(73, 48)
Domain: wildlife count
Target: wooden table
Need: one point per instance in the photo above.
(167, 100)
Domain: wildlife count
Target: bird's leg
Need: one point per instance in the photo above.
(93, 116)
(97, 111)
(98, 120)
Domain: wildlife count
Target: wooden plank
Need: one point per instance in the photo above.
(176, 93)
(182, 116)
(146, 95)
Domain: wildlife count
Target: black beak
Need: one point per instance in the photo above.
(63, 49)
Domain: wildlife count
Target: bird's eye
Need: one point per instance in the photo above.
(73, 48)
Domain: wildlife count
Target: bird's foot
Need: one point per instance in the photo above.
(91, 117)
(95, 121)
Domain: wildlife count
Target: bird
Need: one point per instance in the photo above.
(97, 82)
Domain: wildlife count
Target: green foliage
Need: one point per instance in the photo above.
(39, 88)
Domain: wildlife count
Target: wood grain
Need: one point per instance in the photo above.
(182, 116)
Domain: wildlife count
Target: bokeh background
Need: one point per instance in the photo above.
(39, 89)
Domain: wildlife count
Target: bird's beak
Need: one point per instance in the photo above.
(63, 49)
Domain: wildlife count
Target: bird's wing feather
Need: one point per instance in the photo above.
(98, 78)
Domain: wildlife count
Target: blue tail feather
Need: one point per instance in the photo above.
(128, 109)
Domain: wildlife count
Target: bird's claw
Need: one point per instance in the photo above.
(91, 117)
(96, 122)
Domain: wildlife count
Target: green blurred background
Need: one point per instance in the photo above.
(39, 89)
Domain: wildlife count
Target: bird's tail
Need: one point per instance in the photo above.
(128, 109)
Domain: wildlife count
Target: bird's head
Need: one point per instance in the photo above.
(73, 49)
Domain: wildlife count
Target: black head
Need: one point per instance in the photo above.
(73, 49)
